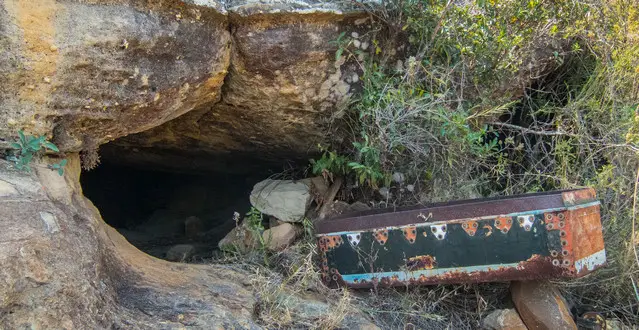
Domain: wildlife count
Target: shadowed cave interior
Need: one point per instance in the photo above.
(157, 208)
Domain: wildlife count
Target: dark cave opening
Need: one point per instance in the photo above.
(157, 209)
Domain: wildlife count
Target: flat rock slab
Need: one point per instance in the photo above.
(284, 199)
(541, 306)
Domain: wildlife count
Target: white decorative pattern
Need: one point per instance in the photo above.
(591, 262)
(354, 239)
(526, 221)
(439, 231)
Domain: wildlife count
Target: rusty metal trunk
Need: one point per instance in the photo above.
(525, 237)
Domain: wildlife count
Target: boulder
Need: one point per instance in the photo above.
(281, 236)
(180, 252)
(503, 319)
(286, 200)
(239, 239)
(541, 306)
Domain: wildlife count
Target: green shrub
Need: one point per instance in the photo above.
(27, 147)
(507, 97)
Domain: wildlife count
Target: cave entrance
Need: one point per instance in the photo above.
(156, 208)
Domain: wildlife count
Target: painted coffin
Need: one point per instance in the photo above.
(525, 237)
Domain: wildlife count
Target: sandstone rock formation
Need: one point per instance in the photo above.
(64, 268)
(88, 72)
(260, 77)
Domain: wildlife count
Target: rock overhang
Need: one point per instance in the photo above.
(241, 76)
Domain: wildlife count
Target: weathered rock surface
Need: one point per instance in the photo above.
(504, 319)
(311, 308)
(88, 73)
(64, 268)
(541, 306)
(190, 78)
(286, 200)
(7, 189)
(280, 236)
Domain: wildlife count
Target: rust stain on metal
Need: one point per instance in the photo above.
(504, 224)
(328, 243)
(580, 196)
(410, 233)
(421, 262)
(537, 267)
(381, 236)
(470, 227)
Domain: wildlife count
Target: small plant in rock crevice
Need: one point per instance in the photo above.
(254, 222)
(27, 147)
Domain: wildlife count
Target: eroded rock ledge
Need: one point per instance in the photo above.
(64, 268)
(246, 77)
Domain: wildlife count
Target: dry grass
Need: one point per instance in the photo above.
(448, 124)
(573, 123)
